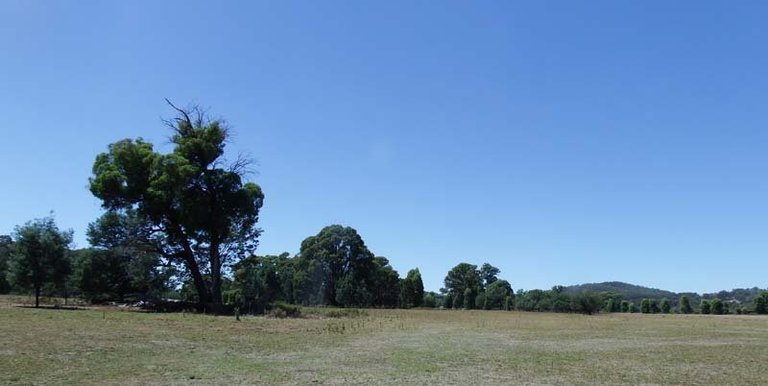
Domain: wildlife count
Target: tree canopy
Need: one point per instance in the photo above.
(194, 208)
(39, 256)
(336, 268)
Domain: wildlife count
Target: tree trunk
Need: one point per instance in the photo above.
(197, 278)
(215, 275)
(37, 296)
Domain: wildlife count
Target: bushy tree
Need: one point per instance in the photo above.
(336, 269)
(587, 302)
(40, 256)
(488, 274)
(624, 306)
(411, 289)
(612, 301)
(705, 307)
(461, 278)
(385, 283)
(609, 305)
(761, 303)
(496, 293)
(261, 280)
(558, 300)
(195, 210)
(121, 264)
(665, 306)
(655, 307)
(717, 306)
(645, 306)
(448, 301)
(430, 300)
(480, 302)
(685, 305)
(632, 308)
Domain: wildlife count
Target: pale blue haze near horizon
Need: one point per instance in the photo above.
(563, 142)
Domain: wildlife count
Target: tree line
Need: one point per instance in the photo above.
(333, 268)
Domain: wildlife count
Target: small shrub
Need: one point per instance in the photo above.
(345, 313)
(284, 310)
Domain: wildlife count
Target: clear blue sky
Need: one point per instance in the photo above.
(564, 142)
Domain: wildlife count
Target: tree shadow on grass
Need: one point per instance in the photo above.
(51, 307)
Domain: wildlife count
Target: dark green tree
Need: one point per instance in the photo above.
(717, 306)
(430, 300)
(488, 274)
(411, 290)
(462, 277)
(121, 263)
(587, 302)
(685, 305)
(195, 209)
(609, 305)
(761, 303)
(705, 307)
(655, 307)
(624, 306)
(665, 306)
(6, 245)
(40, 256)
(645, 306)
(336, 260)
(386, 284)
(481, 302)
(496, 293)
(559, 301)
(261, 280)
(448, 301)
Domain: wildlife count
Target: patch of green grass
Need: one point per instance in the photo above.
(98, 346)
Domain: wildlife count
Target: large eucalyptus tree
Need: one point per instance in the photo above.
(195, 208)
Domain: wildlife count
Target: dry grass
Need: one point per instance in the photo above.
(380, 347)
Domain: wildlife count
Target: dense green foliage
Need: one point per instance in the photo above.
(192, 209)
(665, 306)
(761, 303)
(6, 245)
(497, 294)
(645, 306)
(412, 290)
(463, 280)
(586, 302)
(336, 268)
(40, 257)
(705, 307)
(717, 306)
(685, 305)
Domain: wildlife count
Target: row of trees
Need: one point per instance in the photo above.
(38, 259)
(333, 268)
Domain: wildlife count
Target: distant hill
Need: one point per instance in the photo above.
(635, 293)
(631, 292)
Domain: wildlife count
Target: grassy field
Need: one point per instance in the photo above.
(109, 346)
